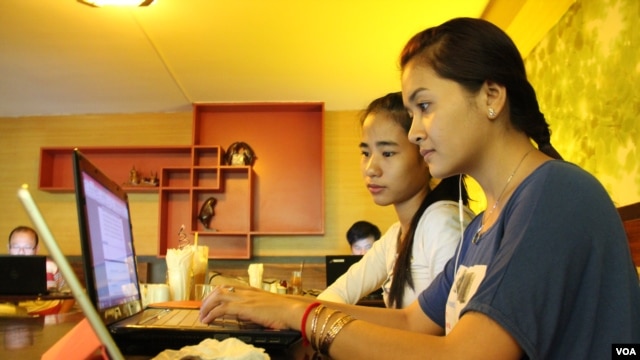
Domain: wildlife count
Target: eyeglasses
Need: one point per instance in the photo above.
(19, 248)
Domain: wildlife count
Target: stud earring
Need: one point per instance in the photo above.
(492, 113)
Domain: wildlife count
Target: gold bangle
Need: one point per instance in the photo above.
(324, 325)
(337, 326)
(314, 323)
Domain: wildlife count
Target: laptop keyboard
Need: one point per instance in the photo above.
(190, 318)
(231, 321)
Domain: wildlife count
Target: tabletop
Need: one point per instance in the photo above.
(30, 337)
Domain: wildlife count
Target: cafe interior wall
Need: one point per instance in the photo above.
(586, 73)
(346, 198)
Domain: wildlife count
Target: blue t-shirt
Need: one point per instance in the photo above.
(555, 270)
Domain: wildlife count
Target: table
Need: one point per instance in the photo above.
(52, 296)
(38, 304)
(30, 337)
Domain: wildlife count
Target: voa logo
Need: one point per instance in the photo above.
(626, 351)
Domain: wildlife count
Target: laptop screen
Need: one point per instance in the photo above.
(23, 275)
(107, 242)
(336, 265)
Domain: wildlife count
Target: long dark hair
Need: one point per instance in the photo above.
(447, 189)
(471, 51)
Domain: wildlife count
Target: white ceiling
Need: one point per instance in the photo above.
(60, 57)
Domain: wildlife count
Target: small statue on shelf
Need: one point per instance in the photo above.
(239, 154)
(183, 240)
(151, 180)
(207, 212)
(136, 180)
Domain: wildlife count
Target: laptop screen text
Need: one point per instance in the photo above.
(111, 242)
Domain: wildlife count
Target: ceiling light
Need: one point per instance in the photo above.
(101, 3)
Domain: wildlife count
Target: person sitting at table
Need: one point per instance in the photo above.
(361, 236)
(23, 240)
(414, 249)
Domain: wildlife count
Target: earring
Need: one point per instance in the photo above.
(492, 113)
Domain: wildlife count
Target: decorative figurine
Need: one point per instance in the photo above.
(151, 180)
(207, 211)
(134, 178)
(183, 240)
(239, 153)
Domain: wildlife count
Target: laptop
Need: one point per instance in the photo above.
(337, 265)
(23, 275)
(113, 286)
(69, 275)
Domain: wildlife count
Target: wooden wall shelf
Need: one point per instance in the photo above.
(281, 194)
(56, 173)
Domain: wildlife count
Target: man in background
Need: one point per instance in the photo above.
(23, 240)
(361, 236)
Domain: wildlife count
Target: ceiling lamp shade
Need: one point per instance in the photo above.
(101, 3)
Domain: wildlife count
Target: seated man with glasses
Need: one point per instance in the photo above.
(23, 240)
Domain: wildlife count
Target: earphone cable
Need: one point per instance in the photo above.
(461, 220)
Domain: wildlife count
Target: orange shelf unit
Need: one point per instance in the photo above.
(56, 173)
(282, 193)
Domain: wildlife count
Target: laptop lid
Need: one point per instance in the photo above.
(336, 265)
(23, 275)
(70, 277)
(112, 281)
(107, 242)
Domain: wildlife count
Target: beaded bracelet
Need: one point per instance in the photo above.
(314, 323)
(328, 338)
(303, 323)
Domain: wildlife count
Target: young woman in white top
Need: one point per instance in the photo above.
(415, 248)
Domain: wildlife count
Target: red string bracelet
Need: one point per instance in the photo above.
(303, 324)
